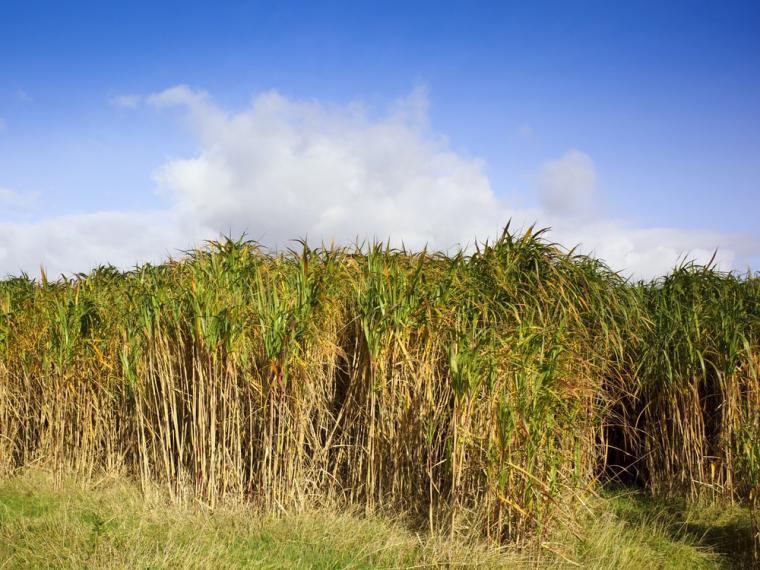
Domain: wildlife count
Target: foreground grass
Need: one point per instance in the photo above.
(110, 524)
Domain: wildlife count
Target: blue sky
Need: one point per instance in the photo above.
(647, 113)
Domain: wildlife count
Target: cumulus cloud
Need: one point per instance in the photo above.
(281, 168)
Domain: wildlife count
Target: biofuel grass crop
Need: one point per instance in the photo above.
(481, 392)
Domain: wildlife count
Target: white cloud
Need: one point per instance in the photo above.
(280, 169)
(69, 244)
(178, 95)
(647, 252)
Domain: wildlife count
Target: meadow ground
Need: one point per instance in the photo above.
(110, 523)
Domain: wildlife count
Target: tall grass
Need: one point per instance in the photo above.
(481, 392)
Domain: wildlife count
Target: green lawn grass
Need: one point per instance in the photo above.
(109, 523)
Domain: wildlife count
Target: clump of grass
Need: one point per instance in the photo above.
(476, 394)
(698, 378)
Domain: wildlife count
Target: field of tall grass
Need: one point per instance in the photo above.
(485, 393)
